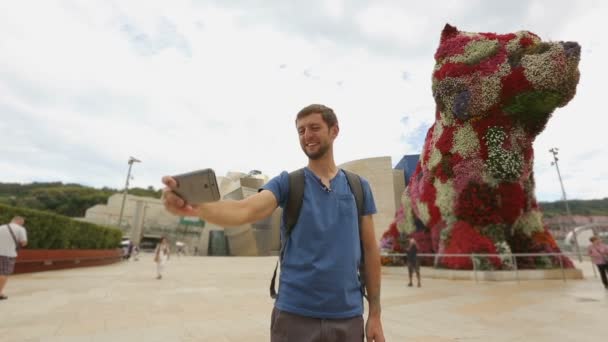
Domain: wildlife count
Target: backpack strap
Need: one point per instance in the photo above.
(354, 182)
(295, 197)
(10, 230)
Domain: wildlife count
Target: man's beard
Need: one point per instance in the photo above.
(318, 154)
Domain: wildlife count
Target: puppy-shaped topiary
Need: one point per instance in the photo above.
(473, 188)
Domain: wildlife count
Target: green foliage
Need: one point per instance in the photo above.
(534, 104)
(597, 207)
(533, 108)
(494, 231)
(64, 199)
(483, 263)
(543, 262)
(51, 231)
(477, 50)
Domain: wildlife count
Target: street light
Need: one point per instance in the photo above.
(124, 196)
(555, 151)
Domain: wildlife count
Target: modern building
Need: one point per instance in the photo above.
(145, 218)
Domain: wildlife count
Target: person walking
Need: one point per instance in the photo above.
(320, 294)
(161, 256)
(12, 237)
(598, 252)
(413, 264)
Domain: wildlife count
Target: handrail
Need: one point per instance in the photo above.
(513, 257)
(576, 230)
(478, 254)
(70, 259)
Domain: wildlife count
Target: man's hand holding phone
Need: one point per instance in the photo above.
(173, 203)
(184, 193)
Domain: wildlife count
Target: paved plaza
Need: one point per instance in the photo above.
(226, 299)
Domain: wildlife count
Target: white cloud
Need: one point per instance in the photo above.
(84, 86)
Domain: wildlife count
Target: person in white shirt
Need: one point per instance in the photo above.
(12, 237)
(161, 255)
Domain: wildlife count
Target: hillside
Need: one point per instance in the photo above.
(73, 199)
(64, 199)
(595, 207)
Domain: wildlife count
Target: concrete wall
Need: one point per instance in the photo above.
(153, 212)
(379, 173)
(399, 183)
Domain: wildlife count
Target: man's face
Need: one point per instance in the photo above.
(315, 136)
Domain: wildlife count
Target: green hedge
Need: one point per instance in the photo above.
(51, 231)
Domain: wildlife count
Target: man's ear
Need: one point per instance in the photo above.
(334, 130)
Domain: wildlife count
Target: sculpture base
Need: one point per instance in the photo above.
(438, 273)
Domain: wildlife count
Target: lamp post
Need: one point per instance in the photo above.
(555, 151)
(124, 196)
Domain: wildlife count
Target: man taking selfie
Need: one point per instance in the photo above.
(320, 291)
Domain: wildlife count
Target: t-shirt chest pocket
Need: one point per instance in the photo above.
(346, 204)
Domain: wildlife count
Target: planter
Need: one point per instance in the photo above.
(37, 260)
(437, 273)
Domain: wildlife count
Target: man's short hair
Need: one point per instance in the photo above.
(18, 218)
(327, 113)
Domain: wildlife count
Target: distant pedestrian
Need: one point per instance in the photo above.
(598, 252)
(130, 250)
(180, 246)
(161, 255)
(135, 253)
(12, 237)
(413, 264)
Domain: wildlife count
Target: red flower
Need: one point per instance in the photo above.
(446, 140)
(513, 84)
(526, 41)
(502, 38)
(512, 201)
(464, 239)
(450, 47)
(478, 204)
(427, 145)
(483, 68)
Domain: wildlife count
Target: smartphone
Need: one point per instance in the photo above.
(197, 186)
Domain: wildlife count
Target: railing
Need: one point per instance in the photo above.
(572, 236)
(510, 256)
(76, 260)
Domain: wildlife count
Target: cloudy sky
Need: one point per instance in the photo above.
(184, 85)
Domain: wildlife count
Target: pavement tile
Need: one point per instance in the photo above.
(226, 299)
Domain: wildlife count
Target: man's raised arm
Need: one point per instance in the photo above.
(225, 213)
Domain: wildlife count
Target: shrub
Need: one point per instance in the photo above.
(50, 231)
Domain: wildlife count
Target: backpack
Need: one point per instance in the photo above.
(292, 210)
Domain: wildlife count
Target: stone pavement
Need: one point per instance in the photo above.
(226, 299)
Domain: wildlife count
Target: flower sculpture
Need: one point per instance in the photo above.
(473, 188)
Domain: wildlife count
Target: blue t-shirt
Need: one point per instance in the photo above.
(319, 268)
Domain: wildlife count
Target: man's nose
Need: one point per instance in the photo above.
(307, 134)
